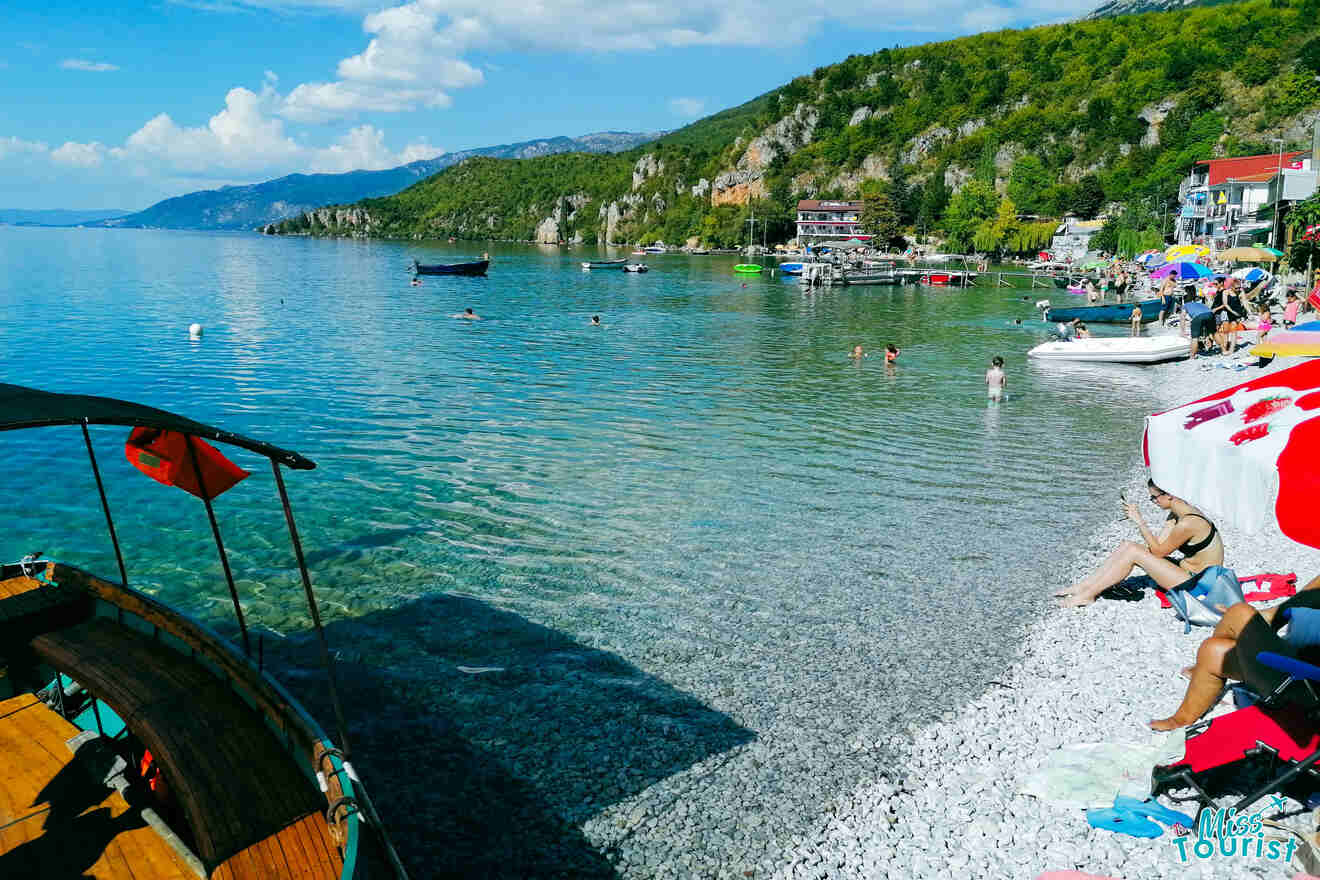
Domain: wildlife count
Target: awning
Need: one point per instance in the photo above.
(22, 407)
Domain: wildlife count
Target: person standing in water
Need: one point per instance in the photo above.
(995, 381)
(857, 353)
(891, 353)
(1136, 320)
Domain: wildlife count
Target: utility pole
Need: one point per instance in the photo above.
(1278, 196)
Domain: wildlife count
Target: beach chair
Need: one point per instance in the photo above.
(1282, 728)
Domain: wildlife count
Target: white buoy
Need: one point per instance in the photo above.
(195, 330)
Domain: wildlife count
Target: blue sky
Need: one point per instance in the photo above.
(121, 105)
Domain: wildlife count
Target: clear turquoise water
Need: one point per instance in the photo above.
(707, 487)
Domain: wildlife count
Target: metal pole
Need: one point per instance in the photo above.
(327, 659)
(105, 505)
(224, 557)
(1278, 197)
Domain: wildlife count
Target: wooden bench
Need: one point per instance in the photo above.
(252, 812)
(56, 820)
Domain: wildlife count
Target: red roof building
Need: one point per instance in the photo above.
(1243, 167)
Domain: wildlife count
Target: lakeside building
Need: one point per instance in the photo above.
(1072, 240)
(825, 221)
(1228, 202)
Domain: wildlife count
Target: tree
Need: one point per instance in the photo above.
(1304, 221)
(934, 200)
(986, 168)
(1029, 184)
(879, 218)
(1089, 198)
(969, 207)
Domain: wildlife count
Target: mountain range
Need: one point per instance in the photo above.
(254, 205)
(960, 134)
(54, 216)
(1135, 7)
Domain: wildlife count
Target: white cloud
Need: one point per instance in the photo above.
(12, 146)
(79, 155)
(90, 66)
(687, 106)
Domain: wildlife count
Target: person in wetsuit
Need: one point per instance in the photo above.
(1189, 532)
(1231, 652)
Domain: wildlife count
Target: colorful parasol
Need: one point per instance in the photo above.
(1246, 454)
(1248, 255)
(1186, 252)
(1301, 341)
(1251, 274)
(1185, 271)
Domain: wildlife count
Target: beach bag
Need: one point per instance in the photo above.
(1195, 601)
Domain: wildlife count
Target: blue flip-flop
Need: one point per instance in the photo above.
(1123, 822)
(1153, 809)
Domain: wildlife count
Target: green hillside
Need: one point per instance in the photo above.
(1057, 118)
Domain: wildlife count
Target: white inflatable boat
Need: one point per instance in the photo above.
(1117, 350)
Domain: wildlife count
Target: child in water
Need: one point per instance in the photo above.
(891, 353)
(995, 382)
(857, 353)
(1136, 321)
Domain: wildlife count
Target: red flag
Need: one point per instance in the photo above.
(163, 456)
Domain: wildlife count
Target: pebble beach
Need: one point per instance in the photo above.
(1095, 674)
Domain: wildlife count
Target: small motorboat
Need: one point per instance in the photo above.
(791, 268)
(604, 264)
(747, 269)
(476, 267)
(1116, 350)
(1114, 313)
(637, 268)
(658, 248)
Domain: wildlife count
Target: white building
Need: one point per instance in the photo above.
(825, 221)
(1228, 202)
(1072, 240)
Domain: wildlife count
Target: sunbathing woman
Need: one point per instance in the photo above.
(1189, 532)
(1230, 652)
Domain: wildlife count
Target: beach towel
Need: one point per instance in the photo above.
(1086, 775)
(1197, 602)
(1273, 586)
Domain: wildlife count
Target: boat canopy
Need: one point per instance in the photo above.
(22, 407)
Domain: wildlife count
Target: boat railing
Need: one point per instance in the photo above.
(322, 763)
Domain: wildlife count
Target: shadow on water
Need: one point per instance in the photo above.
(489, 774)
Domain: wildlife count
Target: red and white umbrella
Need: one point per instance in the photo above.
(1248, 455)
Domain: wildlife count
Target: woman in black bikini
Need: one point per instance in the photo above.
(1230, 652)
(1189, 532)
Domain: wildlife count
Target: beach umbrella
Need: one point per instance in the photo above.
(1186, 271)
(1301, 341)
(1186, 252)
(1248, 255)
(1251, 274)
(1246, 455)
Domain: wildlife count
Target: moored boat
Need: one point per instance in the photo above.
(1114, 313)
(203, 764)
(636, 268)
(1117, 350)
(475, 267)
(791, 268)
(604, 264)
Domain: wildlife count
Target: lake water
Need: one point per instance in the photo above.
(707, 499)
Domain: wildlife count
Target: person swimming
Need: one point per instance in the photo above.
(891, 353)
(595, 320)
(857, 353)
(417, 282)
(467, 315)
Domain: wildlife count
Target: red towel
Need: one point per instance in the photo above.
(1275, 586)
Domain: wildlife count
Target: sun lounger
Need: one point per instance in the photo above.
(1283, 727)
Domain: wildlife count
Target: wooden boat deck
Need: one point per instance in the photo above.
(55, 820)
(252, 812)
